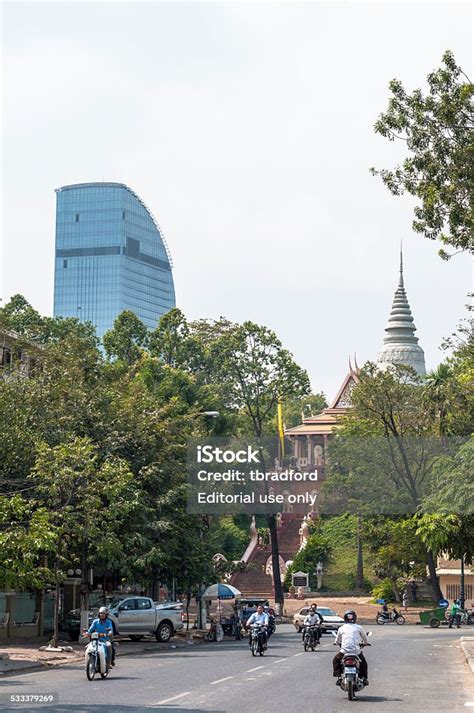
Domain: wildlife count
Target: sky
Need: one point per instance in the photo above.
(247, 128)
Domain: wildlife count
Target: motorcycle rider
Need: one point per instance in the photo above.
(271, 620)
(313, 618)
(455, 616)
(350, 636)
(104, 627)
(261, 618)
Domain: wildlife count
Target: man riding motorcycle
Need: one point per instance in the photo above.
(350, 636)
(261, 618)
(313, 618)
(105, 628)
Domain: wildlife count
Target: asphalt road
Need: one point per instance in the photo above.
(410, 668)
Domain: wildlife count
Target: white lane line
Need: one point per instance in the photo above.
(220, 680)
(254, 669)
(174, 698)
(300, 654)
(469, 704)
(280, 660)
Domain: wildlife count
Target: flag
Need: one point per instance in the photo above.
(281, 430)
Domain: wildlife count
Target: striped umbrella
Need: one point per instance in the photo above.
(221, 591)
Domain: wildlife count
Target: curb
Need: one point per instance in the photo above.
(467, 647)
(148, 646)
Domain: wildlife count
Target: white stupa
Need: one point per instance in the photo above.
(400, 346)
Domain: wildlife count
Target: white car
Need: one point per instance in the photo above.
(331, 621)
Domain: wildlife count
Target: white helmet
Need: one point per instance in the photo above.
(103, 610)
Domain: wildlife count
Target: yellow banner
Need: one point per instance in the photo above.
(280, 428)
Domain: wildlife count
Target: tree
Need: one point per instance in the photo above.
(127, 338)
(80, 492)
(382, 458)
(295, 409)
(255, 370)
(437, 129)
(317, 549)
(397, 552)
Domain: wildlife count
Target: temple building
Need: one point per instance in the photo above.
(400, 346)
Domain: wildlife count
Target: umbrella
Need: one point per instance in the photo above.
(221, 591)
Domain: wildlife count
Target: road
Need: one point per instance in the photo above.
(409, 668)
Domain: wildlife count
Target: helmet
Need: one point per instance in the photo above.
(350, 617)
(103, 610)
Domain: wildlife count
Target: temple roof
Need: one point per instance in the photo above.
(326, 421)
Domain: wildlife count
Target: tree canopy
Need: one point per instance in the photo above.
(437, 129)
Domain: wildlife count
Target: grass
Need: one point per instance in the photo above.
(340, 573)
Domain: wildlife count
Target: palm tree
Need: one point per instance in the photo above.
(439, 394)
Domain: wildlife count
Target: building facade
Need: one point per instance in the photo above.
(111, 256)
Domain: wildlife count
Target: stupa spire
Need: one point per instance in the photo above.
(400, 345)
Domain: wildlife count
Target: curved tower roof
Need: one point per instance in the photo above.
(400, 346)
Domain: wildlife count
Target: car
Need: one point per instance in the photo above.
(331, 621)
(138, 616)
(72, 622)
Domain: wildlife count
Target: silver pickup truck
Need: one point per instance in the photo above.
(137, 616)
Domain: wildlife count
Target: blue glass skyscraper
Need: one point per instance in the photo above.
(111, 256)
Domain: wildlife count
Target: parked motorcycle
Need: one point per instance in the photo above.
(257, 640)
(96, 657)
(310, 639)
(351, 682)
(390, 617)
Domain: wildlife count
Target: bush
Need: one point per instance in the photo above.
(383, 590)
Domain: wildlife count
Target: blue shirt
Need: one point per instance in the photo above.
(102, 627)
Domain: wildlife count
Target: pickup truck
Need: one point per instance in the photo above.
(138, 616)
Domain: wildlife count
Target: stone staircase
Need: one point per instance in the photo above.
(255, 582)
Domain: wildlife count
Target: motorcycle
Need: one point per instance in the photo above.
(257, 643)
(389, 618)
(96, 659)
(350, 680)
(310, 639)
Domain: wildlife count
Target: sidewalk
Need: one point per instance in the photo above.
(467, 647)
(21, 657)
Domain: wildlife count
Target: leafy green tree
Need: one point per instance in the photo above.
(255, 370)
(318, 549)
(382, 458)
(437, 128)
(127, 338)
(79, 490)
(397, 551)
(26, 534)
(295, 409)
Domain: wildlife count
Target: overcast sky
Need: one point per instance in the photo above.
(248, 130)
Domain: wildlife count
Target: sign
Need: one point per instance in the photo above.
(300, 579)
(443, 603)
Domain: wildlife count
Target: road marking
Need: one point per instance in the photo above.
(220, 680)
(254, 669)
(280, 660)
(469, 704)
(174, 698)
(300, 654)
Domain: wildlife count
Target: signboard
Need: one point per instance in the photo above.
(443, 603)
(300, 579)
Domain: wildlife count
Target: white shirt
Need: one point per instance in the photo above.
(257, 618)
(350, 637)
(312, 618)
